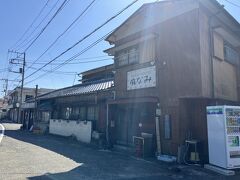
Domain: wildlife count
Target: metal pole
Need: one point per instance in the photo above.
(35, 108)
(6, 87)
(21, 91)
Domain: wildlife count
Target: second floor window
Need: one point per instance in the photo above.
(28, 97)
(230, 54)
(128, 56)
(92, 113)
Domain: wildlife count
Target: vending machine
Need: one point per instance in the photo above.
(223, 124)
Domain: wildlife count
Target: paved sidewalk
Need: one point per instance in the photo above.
(24, 155)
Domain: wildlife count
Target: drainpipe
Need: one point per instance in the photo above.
(211, 57)
(35, 107)
(107, 124)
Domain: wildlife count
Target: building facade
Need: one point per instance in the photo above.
(14, 101)
(3, 110)
(78, 110)
(172, 59)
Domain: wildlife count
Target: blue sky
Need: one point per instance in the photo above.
(16, 16)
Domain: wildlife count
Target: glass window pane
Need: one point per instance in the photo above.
(82, 115)
(75, 113)
(133, 55)
(96, 113)
(63, 112)
(90, 113)
(122, 58)
(230, 55)
(45, 116)
(68, 112)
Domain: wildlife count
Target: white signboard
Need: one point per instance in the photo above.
(141, 78)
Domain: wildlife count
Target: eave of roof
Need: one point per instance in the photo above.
(138, 11)
(130, 17)
(99, 69)
(144, 6)
(85, 88)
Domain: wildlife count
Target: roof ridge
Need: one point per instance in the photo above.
(76, 88)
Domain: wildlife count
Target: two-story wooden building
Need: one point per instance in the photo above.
(172, 59)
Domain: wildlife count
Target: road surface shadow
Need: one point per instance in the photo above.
(104, 164)
(97, 164)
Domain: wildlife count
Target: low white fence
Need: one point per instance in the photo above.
(82, 130)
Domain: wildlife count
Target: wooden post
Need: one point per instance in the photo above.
(158, 135)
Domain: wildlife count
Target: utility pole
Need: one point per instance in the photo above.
(21, 91)
(20, 59)
(5, 86)
(35, 108)
(6, 89)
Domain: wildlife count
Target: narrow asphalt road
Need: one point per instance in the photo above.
(24, 155)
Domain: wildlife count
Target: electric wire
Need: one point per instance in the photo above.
(57, 72)
(44, 28)
(85, 58)
(76, 55)
(24, 43)
(30, 26)
(232, 3)
(55, 41)
(85, 37)
(81, 62)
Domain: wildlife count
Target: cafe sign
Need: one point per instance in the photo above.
(141, 78)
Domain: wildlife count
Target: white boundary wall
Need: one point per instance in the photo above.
(81, 129)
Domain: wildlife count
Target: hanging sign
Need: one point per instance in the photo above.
(141, 78)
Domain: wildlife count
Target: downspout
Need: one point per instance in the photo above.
(211, 57)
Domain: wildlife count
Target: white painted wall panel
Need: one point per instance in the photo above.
(81, 130)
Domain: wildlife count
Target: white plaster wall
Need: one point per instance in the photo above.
(80, 129)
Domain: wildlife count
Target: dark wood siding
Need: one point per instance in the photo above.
(178, 72)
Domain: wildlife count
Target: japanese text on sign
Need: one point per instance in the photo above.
(141, 78)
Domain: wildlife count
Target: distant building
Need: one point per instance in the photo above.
(2, 108)
(14, 99)
(104, 72)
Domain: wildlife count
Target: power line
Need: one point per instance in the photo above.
(85, 58)
(43, 29)
(57, 72)
(81, 62)
(42, 22)
(232, 3)
(54, 42)
(38, 15)
(23, 44)
(73, 57)
(85, 37)
(84, 50)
